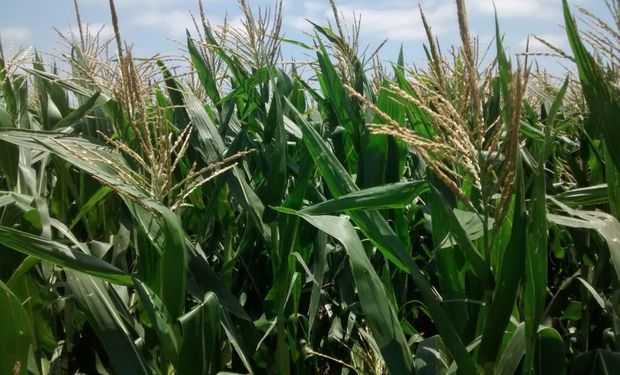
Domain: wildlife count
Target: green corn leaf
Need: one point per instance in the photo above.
(238, 340)
(479, 265)
(200, 348)
(204, 72)
(213, 145)
(513, 352)
(60, 254)
(505, 74)
(378, 310)
(92, 202)
(472, 224)
(395, 195)
(319, 269)
(77, 114)
(373, 155)
(535, 282)
(9, 154)
(508, 279)
(65, 83)
(597, 297)
(16, 335)
(109, 167)
(602, 97)
(161, 322)
(275, 145)
(378, 230)
(605, 224)
(450, 262)
(429, 357)
(586, 196)
(96, 301)
(550, 354)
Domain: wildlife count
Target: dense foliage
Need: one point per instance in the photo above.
(328, 217)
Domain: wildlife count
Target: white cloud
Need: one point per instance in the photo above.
(404, 23)
(174, 22)
(312, 10)
(549, 9)
(397, 23)
(137, 3)
(15, 34)
(104, 31)
(149, 4)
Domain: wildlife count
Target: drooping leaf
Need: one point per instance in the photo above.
(510, 276)
(164, 328)
(550, 355)
(394, 195)
(60, 254)
(199, 349)
(95, 299)
(16, 335)
(377, 229)
(378, 310)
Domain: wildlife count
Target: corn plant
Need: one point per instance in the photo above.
(244, 217)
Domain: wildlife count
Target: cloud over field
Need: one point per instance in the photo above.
(15, 34)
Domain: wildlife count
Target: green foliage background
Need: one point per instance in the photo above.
(248, 218)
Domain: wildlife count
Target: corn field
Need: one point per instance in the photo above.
(231, 214)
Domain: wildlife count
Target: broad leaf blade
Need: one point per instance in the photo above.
(15, 333)
(60, 254)
(378, 310)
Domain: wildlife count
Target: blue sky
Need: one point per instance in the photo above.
(158, 25)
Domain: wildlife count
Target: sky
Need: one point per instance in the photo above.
(153, 26)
